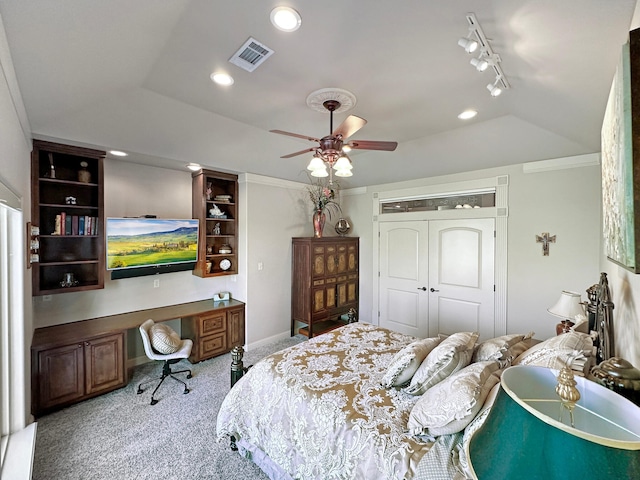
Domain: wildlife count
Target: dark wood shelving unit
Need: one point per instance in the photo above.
(79, 254)
(216, 233)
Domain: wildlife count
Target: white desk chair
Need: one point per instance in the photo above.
(183, 351)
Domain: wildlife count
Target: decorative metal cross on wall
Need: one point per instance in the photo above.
(545, 240)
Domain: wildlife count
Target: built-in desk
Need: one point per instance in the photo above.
(79, 360)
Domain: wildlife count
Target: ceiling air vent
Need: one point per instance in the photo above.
(251, 55)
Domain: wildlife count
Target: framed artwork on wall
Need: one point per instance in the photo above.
(621, 161)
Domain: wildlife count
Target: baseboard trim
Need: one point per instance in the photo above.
(264, 341)
(18, 462)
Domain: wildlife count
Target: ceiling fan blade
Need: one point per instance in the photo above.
(297, 135)
(350, 126)
(312, 149)
(372, 145)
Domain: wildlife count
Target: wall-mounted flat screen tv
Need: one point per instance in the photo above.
(151, 245)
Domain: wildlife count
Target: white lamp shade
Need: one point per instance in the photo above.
(343, 163)
(316, 163)
(343, 172)
(568, 306)
(320, 172)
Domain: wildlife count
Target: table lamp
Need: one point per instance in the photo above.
(567, 307)
(524, 437)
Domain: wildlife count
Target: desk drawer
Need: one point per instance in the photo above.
(212, 323)
(212, 345)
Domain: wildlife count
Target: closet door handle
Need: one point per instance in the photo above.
(433, 290)
(424, 289)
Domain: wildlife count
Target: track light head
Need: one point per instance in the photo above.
(494, 88)
(470, 45)
(480, 63)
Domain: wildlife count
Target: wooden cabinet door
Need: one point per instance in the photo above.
(235, 327)
(60, 375)
(104, 363)
(318, 262)
(352, 258)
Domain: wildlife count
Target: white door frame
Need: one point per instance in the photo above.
(500, 213)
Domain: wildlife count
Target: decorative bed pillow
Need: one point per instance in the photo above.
(451, 355)
(497, 348)
(164, 339)
(452, 404)
(572, 348)
(405, 363)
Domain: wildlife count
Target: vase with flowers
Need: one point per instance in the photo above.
(323, 199)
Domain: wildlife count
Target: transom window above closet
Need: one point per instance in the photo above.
(440, 202)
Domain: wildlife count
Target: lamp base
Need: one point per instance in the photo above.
(564, 327)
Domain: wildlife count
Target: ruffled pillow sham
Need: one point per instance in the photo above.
(452, 404)
(498, 348)
(573, 349)
(405, 363)
(451, 355)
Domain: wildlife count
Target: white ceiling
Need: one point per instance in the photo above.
(134, 75)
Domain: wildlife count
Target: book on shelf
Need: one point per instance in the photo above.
(63, 223)
(74, 224)
(81, 220)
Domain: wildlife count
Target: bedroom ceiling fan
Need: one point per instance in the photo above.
(332, 149)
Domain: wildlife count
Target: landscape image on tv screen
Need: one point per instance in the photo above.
(147, 242)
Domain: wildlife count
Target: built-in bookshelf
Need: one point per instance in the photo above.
(67, 218)
(215, 204)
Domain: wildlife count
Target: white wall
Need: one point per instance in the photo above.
(625, 293)
(15, 154)
(277, 210)
(565, 203)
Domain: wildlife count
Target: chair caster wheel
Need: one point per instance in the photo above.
(139, 391)
(153, 401)
(186, 390)
(189, 376)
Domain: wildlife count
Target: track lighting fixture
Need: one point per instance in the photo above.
(469, 44)
(487, 58)
(480, 63)
(494, 88)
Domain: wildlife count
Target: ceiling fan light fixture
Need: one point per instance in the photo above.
(320, 172)
(285, 19)
(343, 163)
(316, 163)
(344, 172)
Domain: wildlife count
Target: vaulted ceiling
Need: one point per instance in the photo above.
(134, 75)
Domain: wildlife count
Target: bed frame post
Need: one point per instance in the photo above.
(237, 368)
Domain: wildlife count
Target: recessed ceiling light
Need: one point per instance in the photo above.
(118, 153)
(222, 78)
(467, 114)
(285, 19)
(194, 167)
